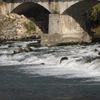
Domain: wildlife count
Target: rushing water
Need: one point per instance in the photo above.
(39, 75)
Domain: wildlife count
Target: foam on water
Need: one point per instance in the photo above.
(46, 63)
(70, 69)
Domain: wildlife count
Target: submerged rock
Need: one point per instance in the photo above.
(90, 59)
(95, 50)
(98, 53)
(20, 50)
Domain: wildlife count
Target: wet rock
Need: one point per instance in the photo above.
(42, 63)
(90, 59)
(37, 44)
(27, 49)
(95, 50)
(63, 59)
(98, 53)
(20, 50)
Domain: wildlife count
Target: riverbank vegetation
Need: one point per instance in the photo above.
(30, 26)
(93, 17)
(15, 27)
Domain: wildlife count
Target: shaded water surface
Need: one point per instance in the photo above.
(39, 75)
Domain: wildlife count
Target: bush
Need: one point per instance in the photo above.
(93, 14)
(30, 27)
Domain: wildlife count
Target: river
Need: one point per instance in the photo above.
(39, 75)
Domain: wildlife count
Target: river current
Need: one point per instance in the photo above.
(39, 75)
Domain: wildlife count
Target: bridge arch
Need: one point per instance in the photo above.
(14, 3)
(77, 12)
(35, 12)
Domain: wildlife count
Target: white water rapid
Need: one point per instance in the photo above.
(83, 61)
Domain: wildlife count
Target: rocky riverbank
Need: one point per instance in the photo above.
(16, 27)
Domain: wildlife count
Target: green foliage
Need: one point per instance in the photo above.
(93, 14)
(93, 18)
(30, 27)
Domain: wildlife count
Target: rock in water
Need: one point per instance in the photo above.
(63, 59)
(20, 50)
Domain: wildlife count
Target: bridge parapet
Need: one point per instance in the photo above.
(10, 5)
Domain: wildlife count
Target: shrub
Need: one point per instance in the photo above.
(93, 14)
(30, 26)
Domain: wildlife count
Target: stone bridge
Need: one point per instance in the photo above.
(66, 17)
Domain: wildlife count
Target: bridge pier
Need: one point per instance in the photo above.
(68, 27)
(54, 23)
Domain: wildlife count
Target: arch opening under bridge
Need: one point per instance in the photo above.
(78, 10)
(35, 12)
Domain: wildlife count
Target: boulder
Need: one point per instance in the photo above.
(63, 59)
(21, 50)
